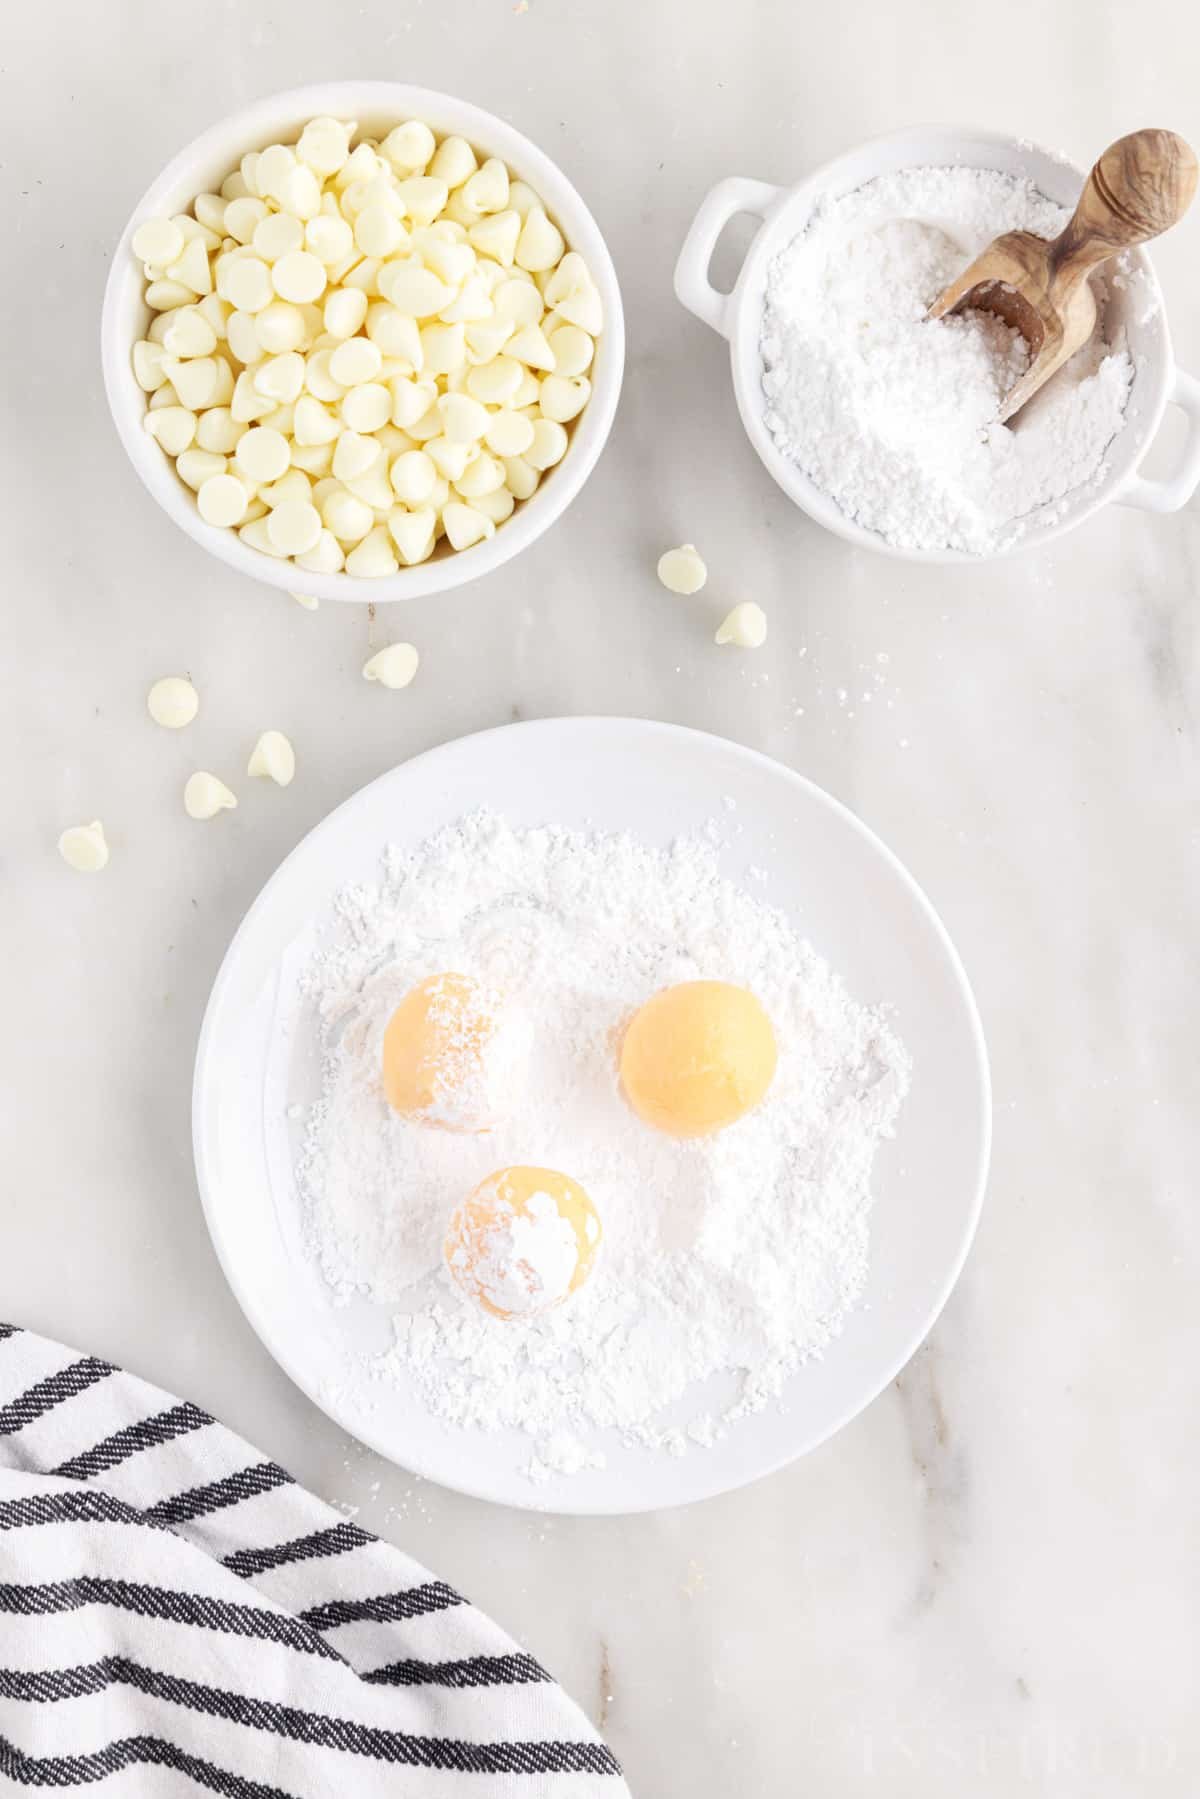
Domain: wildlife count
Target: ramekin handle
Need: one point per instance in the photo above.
(1169, 494)
(692, 285)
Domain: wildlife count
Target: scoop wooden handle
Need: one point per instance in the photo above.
(1141, 185)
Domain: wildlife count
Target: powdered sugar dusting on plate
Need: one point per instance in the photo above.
(726, 1262)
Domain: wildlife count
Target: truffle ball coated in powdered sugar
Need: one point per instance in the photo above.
(523, 1241)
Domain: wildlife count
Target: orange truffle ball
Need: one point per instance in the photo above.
(697, 1057)
(435, 1050)
(523, 1241)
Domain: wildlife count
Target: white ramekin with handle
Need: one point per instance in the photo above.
(1136, 307)
(377, 105)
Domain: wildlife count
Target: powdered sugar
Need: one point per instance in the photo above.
(895, 416)
(736, 1256)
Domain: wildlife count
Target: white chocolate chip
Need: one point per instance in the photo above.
(444, 348)
(147, 365)
(217, 430)
(496, 505)
(449, 459)
(394, 666)
(482, 475)
(173, 426)
(210, 211)
(354, 454)
(245, 281)
(325, 558)
(83, 847)
(453, 161)
(280, 377)
(464, 420)
(299, 276)
(409, 146)
(189, 333)
(309, 601)
(549, 444)
(195, 467)
(745, 626)
(222, 500)
(165, 296)
(424, 196)
(413, 477)
(357, 360)
(573, 349)
(345, 310)
(367, 408)
(279, 327)
(682, 570)
(413, 533)
(348, 517)
(262, 454)
(274, 758)
(243, 217)
(519, 301)
(496, 381)
(312, 423)
(325, 144)
(330, 238)
(294, 527)
(540, 245)
(277, 235)
(374, 556)
(521, 198)
(465, 526)
(508, 433)
(563, 398)
(247, 403)
(529, 346)
(520, 477)
(394, 333)
(497, 235)
(173, 702)
(205, 796)
(487, 189)
(158, 241)
(272, 168)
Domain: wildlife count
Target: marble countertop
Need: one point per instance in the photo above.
(989, 1582)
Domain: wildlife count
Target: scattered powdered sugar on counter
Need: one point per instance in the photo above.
(894, 415)
(738, 1256)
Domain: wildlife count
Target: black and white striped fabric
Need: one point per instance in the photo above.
(177, 1614)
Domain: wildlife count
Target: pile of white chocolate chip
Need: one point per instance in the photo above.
(357, 352)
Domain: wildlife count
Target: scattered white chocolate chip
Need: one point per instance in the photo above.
(83, 847)
(274, 757)
(745, 626)
(394, 666)
(173, 702)
(309, 601)
(682, 570)
(205, 796)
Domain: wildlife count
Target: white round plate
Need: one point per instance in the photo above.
(848, 894)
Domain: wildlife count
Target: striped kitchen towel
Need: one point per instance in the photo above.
(177, 1614)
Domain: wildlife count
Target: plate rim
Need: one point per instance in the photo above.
(361, 1430)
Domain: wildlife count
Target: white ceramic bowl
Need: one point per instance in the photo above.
(784, 212)
(377, 105)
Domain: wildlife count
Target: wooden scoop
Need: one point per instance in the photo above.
(1141, 185)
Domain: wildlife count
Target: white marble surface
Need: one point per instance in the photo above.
(989, 1583)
